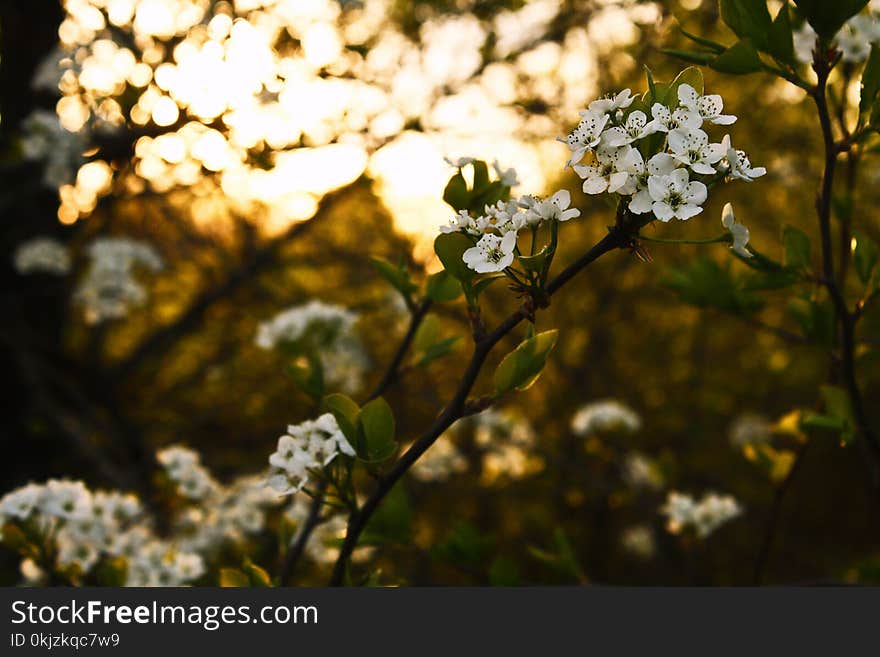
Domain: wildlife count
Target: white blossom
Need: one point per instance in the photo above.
(460, 162)
(674, 196)
(738, 164)
(665, 119)
(611, 104)
(507, 177)
(491, 253)
(42, 255)
(586, 135)
(805, 42)
(555, 208)
(692, 148)
(684, 513)
(749, 429)
(440, 462)
(639, 541)
(606, 173)
(739, 233)
(605, 415)
(709, 107)
(634, 128)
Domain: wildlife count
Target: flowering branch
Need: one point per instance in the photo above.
(618, 236)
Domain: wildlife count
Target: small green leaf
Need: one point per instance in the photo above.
(707, 43)
(739, 59)
(797, 249)
(396, 275)
(865, 257)
(692, 76)
(346, 412)
(702, 58)
(442, 286)
(456, 193)
(481, 177)
(481, 285)
(392, 521)
(233, 578)
(521, 367)
(749, 19)
(449, 247)
(536, 262)
(780, 41)
(376, 421)
(257, 576)
(828, 16)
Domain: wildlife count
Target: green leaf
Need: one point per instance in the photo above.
(346, 412)
(396, 275)
(749, 19)
(828, 16)
(537, 261)
(481, 285)
(437, 350)
(707, 43)
(481, 177)
(464, 545)
(692, 76)
(504, 572)
(690, 56)
(442, 286)
(449, 247)
(233, 578)
(456, 193)
(739, 59)
(521, 367)
(797, 249)
(376, 421)
(865, 257)
(771, 280)
(308, 377)
(838, 406)
(780, 41)
(257, 576)
(870, 81)
(705, 283)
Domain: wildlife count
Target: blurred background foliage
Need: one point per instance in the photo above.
(493, 79)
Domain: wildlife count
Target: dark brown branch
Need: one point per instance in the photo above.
(298, 546)
(617, 237)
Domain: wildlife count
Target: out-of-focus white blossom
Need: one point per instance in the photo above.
(42, 255)
(321, 329)
(604, 416)
(440, 462)
(109, 290)
(44, 138)
(640, 472)
(684, 513)
(639, 541)
(183, 467)
(749, 429)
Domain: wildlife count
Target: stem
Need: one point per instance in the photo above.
(775, 511)
(617, 237)
(844, 317)
(711, 240)
(298, 546)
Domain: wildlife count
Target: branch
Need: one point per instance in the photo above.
(618, 236)
(297, 547)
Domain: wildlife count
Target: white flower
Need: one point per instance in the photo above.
(738, 232)
(42, 254)
(440, 462)
(507, 177)
(556, 207)
(605, 415)
(610, 105)
(504, 216)
(635, 128)
(661, 164)
(606, 173)
(586, 135)
(749, 429)
(683, 512)
(641, 472)
(692, 147)
(491, 253)
(459, 162)
(665, 120)
(708, 107)
(738, 163)
(674, 196)
(854, 39)
(183, 467)
(65, 499)
(21, 502)
(461, 221)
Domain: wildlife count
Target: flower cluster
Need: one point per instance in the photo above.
(606, 415)
(183, 467)
(44, 138)
(321, 329)
(86, 526)
(749, 429)
(663, 165)
(42, 255)
(854, 40)
(305, 447)
(683, 512)
(109, 289)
